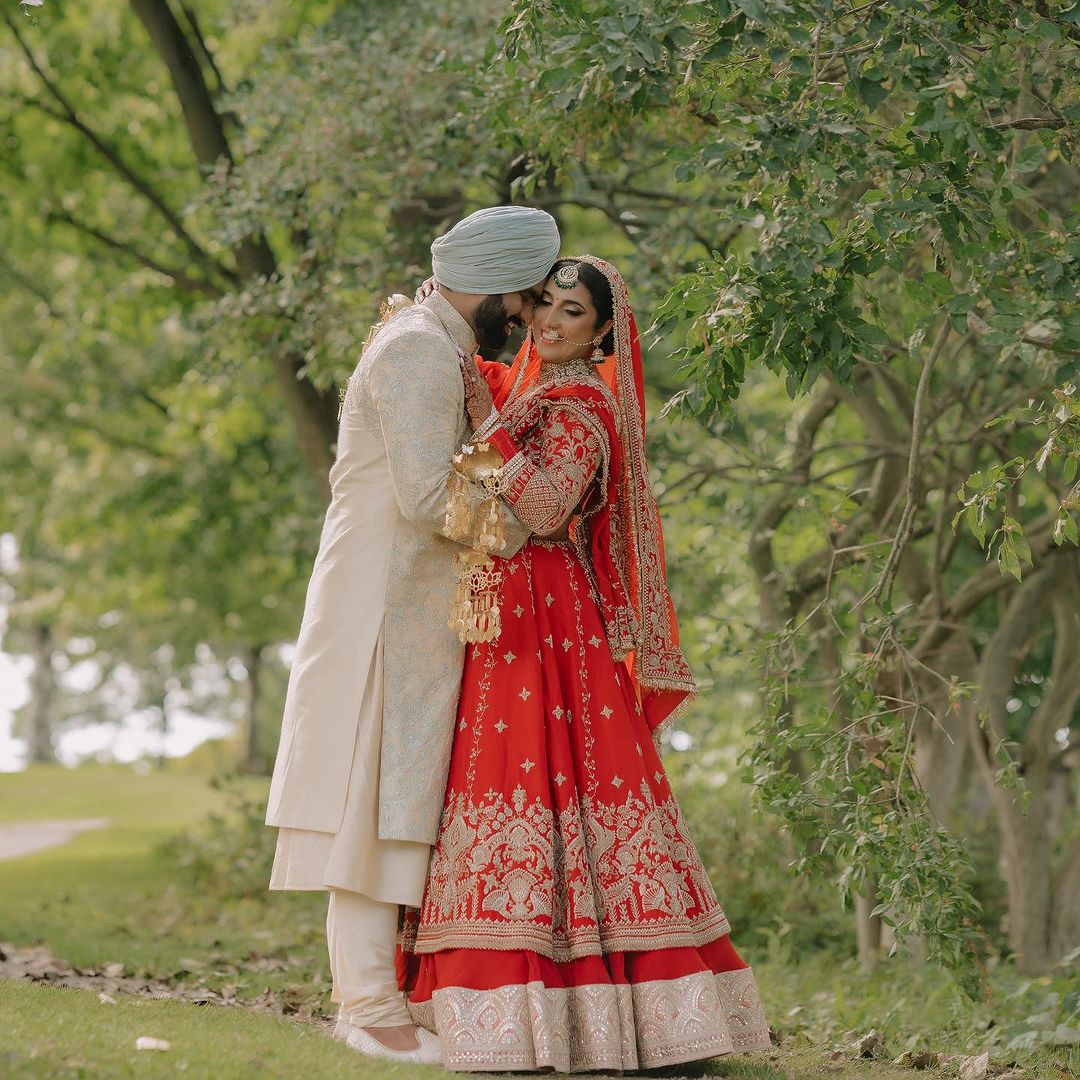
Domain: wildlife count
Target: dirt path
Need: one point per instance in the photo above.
(25, 837)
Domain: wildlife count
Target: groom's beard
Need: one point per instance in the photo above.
(492, 326)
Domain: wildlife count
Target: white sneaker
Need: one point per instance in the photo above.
(428, 1052)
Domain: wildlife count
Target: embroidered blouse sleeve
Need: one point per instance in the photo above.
(549, 473)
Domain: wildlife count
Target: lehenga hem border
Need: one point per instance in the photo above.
(621, 1026)
(587, 942)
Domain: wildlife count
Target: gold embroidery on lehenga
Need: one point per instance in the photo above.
(600, 1026)
(597, 877)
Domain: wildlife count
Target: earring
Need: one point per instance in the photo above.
(597, 353)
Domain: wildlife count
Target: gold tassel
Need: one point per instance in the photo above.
(475, 616)
(475, 613)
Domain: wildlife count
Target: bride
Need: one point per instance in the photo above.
(567, 921)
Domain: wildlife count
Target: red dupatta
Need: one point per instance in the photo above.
(623, 538)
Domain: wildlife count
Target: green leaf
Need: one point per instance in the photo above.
(872, 92)
(869, 334)
(1007, 559)
(753, 9)
(1030, 158)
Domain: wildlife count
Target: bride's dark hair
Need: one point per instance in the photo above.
(600, 291)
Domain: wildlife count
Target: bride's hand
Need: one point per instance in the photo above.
(478, 401)
(424, 290)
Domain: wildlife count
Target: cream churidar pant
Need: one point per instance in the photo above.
(368, 878)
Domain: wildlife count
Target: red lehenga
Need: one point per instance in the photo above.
(568, 922)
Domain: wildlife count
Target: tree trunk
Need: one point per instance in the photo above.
(1027, 863)
(163, 706)
(42, 691)
(313, 412)
(1065, 918)
(253, 663)
(1029, 833)
(942, 751)
(867, 927)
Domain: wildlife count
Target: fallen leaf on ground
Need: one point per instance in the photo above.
(38, 965)
(975, 1068)
(148, 1042)
(919, 1059)
(869, 1045)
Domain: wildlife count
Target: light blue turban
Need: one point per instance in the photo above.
(497, 250)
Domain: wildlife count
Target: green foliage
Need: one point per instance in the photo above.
(158, 311)
(874, 202)
(916, 1008)
(774, 913)
(229, 854)
(1054, 1019)
(160, 506)
(353, 152)
(986, 493)
(850, 797)
(857, 143)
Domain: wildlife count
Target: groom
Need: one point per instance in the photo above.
(360, 776)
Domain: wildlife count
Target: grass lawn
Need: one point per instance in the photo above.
(118, 896)
(57, 1032)
(112, 895)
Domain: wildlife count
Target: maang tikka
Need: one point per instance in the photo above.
(566, 277)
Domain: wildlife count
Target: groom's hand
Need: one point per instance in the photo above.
(478, 403)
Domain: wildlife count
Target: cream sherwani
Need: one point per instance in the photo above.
(360, 775)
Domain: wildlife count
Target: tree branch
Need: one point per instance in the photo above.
(312, 411)
(28, 283)
(776, 509)
(981, 586)
(205, 131)
(1002, 655)
(200, 40)
(1032, 123)
(179, 277)
(1059, 699)
(68, 115)
(912, 494)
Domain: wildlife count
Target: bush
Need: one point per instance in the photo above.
(229, 854)
(773, 912)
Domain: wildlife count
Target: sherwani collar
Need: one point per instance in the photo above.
(461, 333)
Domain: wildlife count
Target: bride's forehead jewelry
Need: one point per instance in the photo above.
(566, 277)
